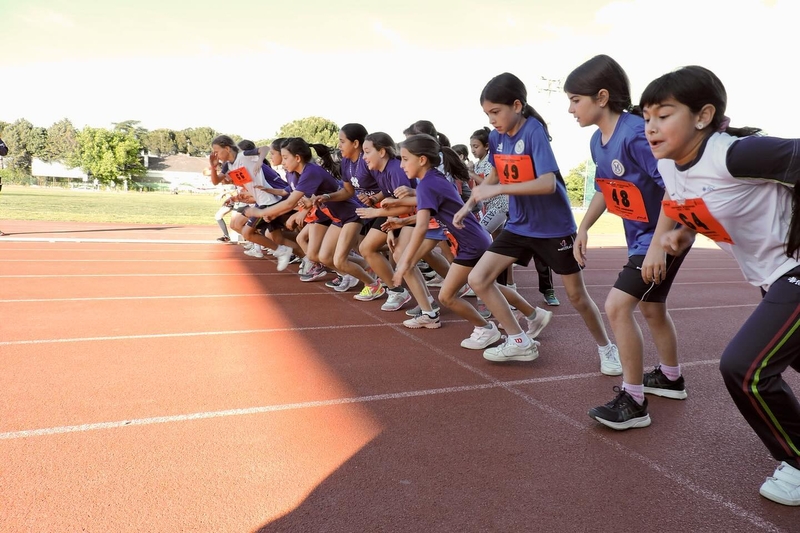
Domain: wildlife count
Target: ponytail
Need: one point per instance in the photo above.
(328, 163)
(426, 145)
(528, 111)
(453, 164)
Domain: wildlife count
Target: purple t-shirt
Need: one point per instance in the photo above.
(273, 178)
(359, 176)
(317, 180)
(392, 177)
(436, 194)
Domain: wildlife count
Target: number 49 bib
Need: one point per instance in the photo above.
(514, 168)
(694, 215)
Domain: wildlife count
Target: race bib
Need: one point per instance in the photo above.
(694, 215)
(240, 176)
(514, 168)
(624, 199)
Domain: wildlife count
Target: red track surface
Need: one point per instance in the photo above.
(186, 387)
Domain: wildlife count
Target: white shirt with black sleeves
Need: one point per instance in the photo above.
(746, 184)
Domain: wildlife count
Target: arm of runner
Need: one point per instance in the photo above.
(596, 208)
(654, 267)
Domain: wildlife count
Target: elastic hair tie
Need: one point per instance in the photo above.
(726, 121)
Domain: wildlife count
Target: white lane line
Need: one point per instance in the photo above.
(381, 323)
(261, 294)
(292, 406)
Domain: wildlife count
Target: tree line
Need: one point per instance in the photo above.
(108, 154)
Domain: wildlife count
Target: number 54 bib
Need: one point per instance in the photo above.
(694, 214)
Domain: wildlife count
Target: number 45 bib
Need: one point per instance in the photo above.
(694, 215)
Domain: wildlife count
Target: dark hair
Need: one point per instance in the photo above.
(422, 144)
(694, 87)
(355, 132)
(277, 144)
(506, 89)
(481, 135)
(462, 150)
(298, 146)
(427, 127)
(328, 163)
(382, 140)
(602, 72)
(225, 142)
(246, 145)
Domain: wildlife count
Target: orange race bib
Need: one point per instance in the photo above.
(624, 199)
(694, 215)
(240, 176)
(514, 168)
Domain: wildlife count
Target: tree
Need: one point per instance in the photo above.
(107, 155)
(579, 181)
(130, 126)
(24, 141)
(313, 130)
(62, 139)
(198, 140)
(160, 142)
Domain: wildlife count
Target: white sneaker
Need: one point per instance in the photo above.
(396, 300)
(416, 311)
(435, 282)
(609, 361)
(423, 321)
(347, 283)
(784, 485)
(509, 351)
(284, 255)
(254, 251)
(539, 322)
(482, 337)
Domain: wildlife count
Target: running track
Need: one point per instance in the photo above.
(164, 382)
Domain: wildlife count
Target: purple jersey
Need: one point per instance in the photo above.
(359, 176)
(392, 177)
(274, 180)
(436, 194)
(627, 157)
(315, 180)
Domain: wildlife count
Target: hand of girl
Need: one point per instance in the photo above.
(366, 212)
(677, 241)
(458, 218)
(579, 248)
(485, 191)
(654, 266)
(399, 272)
(305, 203)
(392, 223)
(390, 241)
(389, 202)
(213, 159)
(404, 191)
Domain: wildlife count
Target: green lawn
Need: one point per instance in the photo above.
(31, 203)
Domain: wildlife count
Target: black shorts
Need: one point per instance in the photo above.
(469, 263)
(554, 252)
(262, 227)
(375, 223)
(630, 279)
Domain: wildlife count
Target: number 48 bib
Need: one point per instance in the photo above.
(694, 215)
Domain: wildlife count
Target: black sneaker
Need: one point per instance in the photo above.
(332, 284)
(622, 412)
(657, 383)
(224, 238)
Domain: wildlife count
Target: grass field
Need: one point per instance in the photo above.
(64, 205)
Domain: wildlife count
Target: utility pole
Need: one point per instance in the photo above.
(552, 86)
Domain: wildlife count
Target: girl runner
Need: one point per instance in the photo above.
(631, 187)
(741, 191)
(540, 222)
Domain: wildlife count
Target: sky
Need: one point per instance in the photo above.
(248, 66)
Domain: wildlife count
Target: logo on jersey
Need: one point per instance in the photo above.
(519, 147)
(794, 280)
(617, 168)
(500, 148)
(565, 245)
